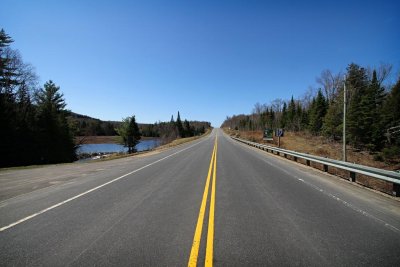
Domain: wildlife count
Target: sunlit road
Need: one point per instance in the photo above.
(213, 201)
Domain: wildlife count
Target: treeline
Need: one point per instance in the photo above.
(373, 111)
(34, 128)
(175, 129)
(83, 125)
(87, 126)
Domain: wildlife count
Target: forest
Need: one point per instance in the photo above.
(83, 125)
(34, 128)
(372, 111)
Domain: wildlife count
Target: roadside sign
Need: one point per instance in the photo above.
(279, 132)
(268, 134)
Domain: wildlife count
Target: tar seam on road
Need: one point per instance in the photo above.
(90, 190)
(194, 253)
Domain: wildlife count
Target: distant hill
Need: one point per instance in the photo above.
(88, 126)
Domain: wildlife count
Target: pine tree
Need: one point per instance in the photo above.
(283, 120)
(333, 120)
(55, 139)
(179, 126)
(317, 113)
(8, 111)
(291, 114)
(391, 109)
(299, 117)
(379, 95)
(367, 113)
(133, 134)
(8, 74)
(271, 119)
(391, 118)
(129, 133)
(189, 131)
(357, 84)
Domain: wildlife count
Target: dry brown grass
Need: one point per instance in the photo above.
(317, 145)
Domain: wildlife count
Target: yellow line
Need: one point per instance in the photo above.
(197, 235)
(210, 233)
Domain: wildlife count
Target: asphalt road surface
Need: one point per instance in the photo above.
(213, 201)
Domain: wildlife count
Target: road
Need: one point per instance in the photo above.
(213, 201)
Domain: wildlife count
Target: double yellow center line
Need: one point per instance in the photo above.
(194, 253)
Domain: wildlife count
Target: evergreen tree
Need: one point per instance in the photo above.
(7, 70)
(291, 114)
(271, 119)
(133, 134)
(189, 131)
(369, 112)
(391, 118)
(179, 126)
(305, 119)
(391, 109)
(333, 121)
(56, 143)
(16, 109)
(129, 133)
(378, 126)
(283, 119)
(317, 113)
(357, 84)
(299, 117)
(8, 111)
(25, 123)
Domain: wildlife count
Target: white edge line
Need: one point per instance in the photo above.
(89, 191)
(345, 203)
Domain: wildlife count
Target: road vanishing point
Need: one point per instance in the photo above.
(213, 201)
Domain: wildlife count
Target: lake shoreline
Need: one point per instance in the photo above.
(113, 139)
(96, 151)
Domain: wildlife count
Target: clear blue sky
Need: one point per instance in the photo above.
(207, 59)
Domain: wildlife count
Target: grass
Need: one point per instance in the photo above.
(317, 145)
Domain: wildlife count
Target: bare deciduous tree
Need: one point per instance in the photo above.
(307, 97)
(383, 73)
(330, 83)
(277, 104)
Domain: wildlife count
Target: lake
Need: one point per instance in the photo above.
(111, 148)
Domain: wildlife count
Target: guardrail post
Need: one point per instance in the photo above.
(325, 168)
(352, 176)
(308, 162)
(396, 190)
(285, 155)
(295, 159)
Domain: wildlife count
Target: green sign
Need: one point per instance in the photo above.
(268, 134)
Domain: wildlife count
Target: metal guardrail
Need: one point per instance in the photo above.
(388, 176)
